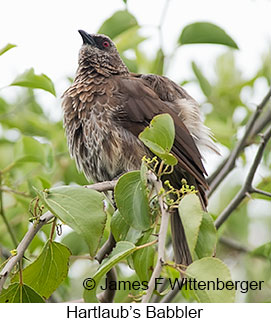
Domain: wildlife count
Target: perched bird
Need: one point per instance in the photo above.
(107, 107)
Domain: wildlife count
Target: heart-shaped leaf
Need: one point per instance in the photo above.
(81, 208)
(211, 270)
(48, 271)
(159, 137)
(20, 293)
(132, 200)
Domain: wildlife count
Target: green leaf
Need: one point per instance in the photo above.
(203, 82)
(159, 137)
(122, 250)
(122, 231)
(44, 182)
(207, 237)
(223, 131)
(130, 63)
(119, 22)
(129, 39)
(81, 208)
(264, 185)
(263, 251)
(28, 149)
(143, 62)
(211, 269)
(17, 293)
(191, 214)
(75, 243)
(48, 271)
(207, 33)
(6, 48)
(34, 81)
(132, 202)
(143, 259)
(158, 63)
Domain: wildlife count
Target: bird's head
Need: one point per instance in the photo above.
(99, 52)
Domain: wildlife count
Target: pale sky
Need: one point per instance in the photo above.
(47, 37)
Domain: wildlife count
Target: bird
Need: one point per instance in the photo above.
(107, 107)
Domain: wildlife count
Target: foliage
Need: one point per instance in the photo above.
(37, 174)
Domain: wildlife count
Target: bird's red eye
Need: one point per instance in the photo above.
(106, 43)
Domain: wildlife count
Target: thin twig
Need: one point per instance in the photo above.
(171, 294)
(218, 170)
(256, 190)
(9, 190)
(103, 186)
(23, 246)
(247, 186)
(234, 244)
(161, 238)
(52, 230)
(263, 121)
(259, 126)
(230, 163)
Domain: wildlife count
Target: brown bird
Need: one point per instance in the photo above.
(107, 107)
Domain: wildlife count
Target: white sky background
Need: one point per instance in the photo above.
(47, 37)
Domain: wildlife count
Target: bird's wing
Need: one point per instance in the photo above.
(165, 88)
(138, 104)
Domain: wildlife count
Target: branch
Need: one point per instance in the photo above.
(106, 248)
(103, 186)
(9, 190)
(247, 187)
(161, 238)
(171, 294)
(256, 190)
(261, 123)
(225, 169)
(234, 244)
(108, 295)
(34, 229)
(23, 246)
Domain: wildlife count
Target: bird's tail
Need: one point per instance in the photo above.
(181, 250)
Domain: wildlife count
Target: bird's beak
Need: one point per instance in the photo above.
(87, 38)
